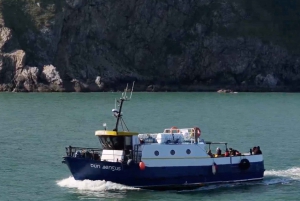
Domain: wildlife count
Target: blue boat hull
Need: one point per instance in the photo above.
(161, 178)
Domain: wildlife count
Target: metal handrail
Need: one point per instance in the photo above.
(93, 153)
(96, 153)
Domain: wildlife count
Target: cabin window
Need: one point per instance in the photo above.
(128, 142)
(112, 142)
(188, 151)
(156, 153)
(172, 152)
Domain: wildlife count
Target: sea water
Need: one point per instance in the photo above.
(36, 128)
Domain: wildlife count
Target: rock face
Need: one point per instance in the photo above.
(167, 45)
(26, 79)
(51, 75)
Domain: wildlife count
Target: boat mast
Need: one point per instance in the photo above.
(119, 112)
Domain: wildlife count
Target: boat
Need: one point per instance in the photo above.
(175, 159)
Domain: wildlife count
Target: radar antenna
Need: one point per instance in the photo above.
(118, 113)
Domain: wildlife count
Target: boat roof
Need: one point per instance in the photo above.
(114, 133)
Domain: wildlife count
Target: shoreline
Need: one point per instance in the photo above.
(151, 88)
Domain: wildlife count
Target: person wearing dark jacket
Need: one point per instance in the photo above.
(258, 151)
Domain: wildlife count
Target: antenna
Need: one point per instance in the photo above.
(131, 90)
(124, 95)
(118, 113)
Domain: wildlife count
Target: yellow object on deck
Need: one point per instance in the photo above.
(115, 133)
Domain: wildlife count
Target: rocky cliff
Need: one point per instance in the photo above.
(190, 45)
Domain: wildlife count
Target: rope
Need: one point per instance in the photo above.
(124, 124)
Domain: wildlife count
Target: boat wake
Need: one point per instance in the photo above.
(272, 177)
(88, 185)
(282, 176)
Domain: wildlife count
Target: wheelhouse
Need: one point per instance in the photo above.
(117, 145)
(117, 140)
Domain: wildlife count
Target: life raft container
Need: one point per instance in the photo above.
(244, 164)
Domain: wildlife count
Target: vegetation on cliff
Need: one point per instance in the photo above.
(96, 45)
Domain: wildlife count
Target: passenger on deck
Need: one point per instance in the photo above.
(209, 153)
(233, 152)
(219, 152)
(82, 153)
(254, 150)
(88, 154)
(96, 156)
(78, 154)
(258, 151)
(226, 153)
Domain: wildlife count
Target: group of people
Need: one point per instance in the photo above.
(87, 154)
(233, 152)
(228, 152)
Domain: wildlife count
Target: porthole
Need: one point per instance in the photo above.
(156, 153)
(172, 152)
(188, 151)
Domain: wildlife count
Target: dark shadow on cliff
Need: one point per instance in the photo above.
(273, 21)
(26, 18)
(17, 19)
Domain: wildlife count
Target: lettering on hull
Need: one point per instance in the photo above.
(112, 168)
(95, 166)
(106, 167)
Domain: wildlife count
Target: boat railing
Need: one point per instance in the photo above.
(150, 138)
(84, 152)
(137, 153)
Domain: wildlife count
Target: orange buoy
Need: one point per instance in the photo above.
(142, 165)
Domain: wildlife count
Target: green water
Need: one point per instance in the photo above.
(35, 128)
